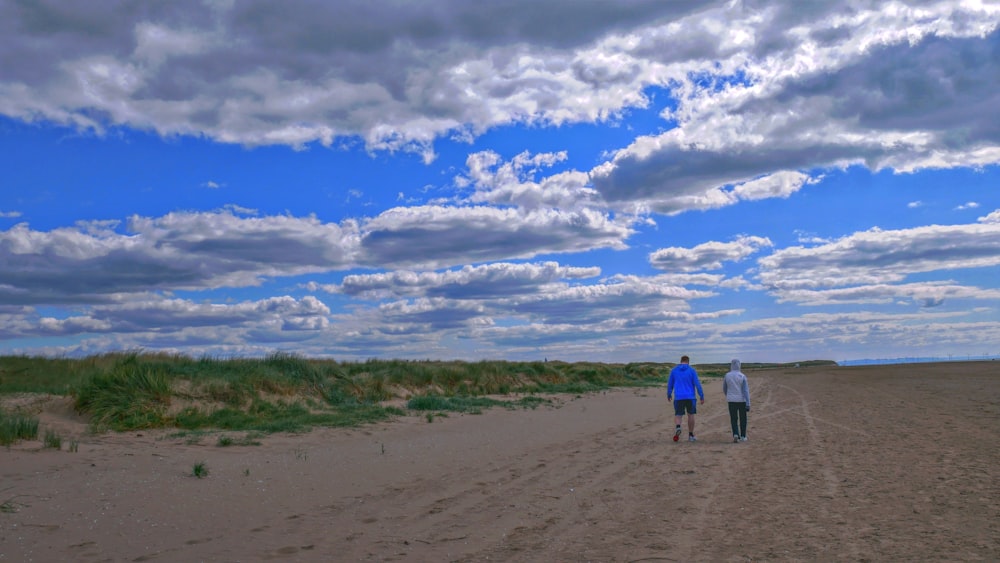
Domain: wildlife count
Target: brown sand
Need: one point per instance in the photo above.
(856, 464)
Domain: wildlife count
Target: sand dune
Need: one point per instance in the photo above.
(870, 463)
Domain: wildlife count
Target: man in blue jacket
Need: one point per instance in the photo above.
(684, 380)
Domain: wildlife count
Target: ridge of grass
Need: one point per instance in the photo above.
(288, 393)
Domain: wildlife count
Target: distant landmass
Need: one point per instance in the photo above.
(869, 361)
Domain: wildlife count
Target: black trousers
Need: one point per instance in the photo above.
(738, 411)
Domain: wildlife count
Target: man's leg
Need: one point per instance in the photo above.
(733, 419)
(743, 419)
(690, 423)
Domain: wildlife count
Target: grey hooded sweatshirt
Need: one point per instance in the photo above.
(734, 385)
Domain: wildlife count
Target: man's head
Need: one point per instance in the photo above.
(685, 360)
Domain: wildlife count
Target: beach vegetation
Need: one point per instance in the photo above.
(285, 392)
(52, 440)
(471, 405)
(248, 439)
(9, 507)
(200, 470)
(15, 427)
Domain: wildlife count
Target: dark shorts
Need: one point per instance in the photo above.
(685, 405)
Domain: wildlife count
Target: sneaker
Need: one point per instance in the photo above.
(736, 438)
(691, 438)
(743, 438)
(677, 434)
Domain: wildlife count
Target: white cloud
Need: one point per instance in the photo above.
(494, 280)
(143, 315)
(474, 304)
(513, 182)
(761, 98)
(902, 88)
(251, 73)
(92, 262)
(875, 256)
(239, 209)
(400, 78)
(9, 214)
(448, 236)
(969, 205)
(780, 184)
(915, 204)
(706, 256)
(805, 237)
(925, 294)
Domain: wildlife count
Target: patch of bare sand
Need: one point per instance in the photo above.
(865, 463)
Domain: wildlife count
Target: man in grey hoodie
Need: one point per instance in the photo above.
(737, 392)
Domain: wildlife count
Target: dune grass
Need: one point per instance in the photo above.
(472, 405)
(200, 470)
(288, 393)
(16, 427)
(249, 439)
(52, 440)
(132, 394)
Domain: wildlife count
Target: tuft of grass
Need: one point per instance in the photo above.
(200, 470)
(470, 405)
(248, 440)
(270, 417)
(132, 396)
(52, 440)
(17, 427)
(8, 507)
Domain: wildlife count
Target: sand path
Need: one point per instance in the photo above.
(857, 464)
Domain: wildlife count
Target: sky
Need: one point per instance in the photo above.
(576, 180)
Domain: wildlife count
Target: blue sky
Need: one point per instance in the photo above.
(607, 181)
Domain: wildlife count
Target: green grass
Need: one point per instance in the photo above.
(17, 427)
(52, 440)
(131, 395)
(200, 470)
(287, 393)
(267, 417)
(473, 405)
(250, 439)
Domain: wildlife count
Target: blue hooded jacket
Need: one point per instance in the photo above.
(684, 380)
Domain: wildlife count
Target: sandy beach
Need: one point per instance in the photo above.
(874, 463)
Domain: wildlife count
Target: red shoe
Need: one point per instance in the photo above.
(677, 434)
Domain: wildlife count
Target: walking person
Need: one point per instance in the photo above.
(737, 393)
(682, 384)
